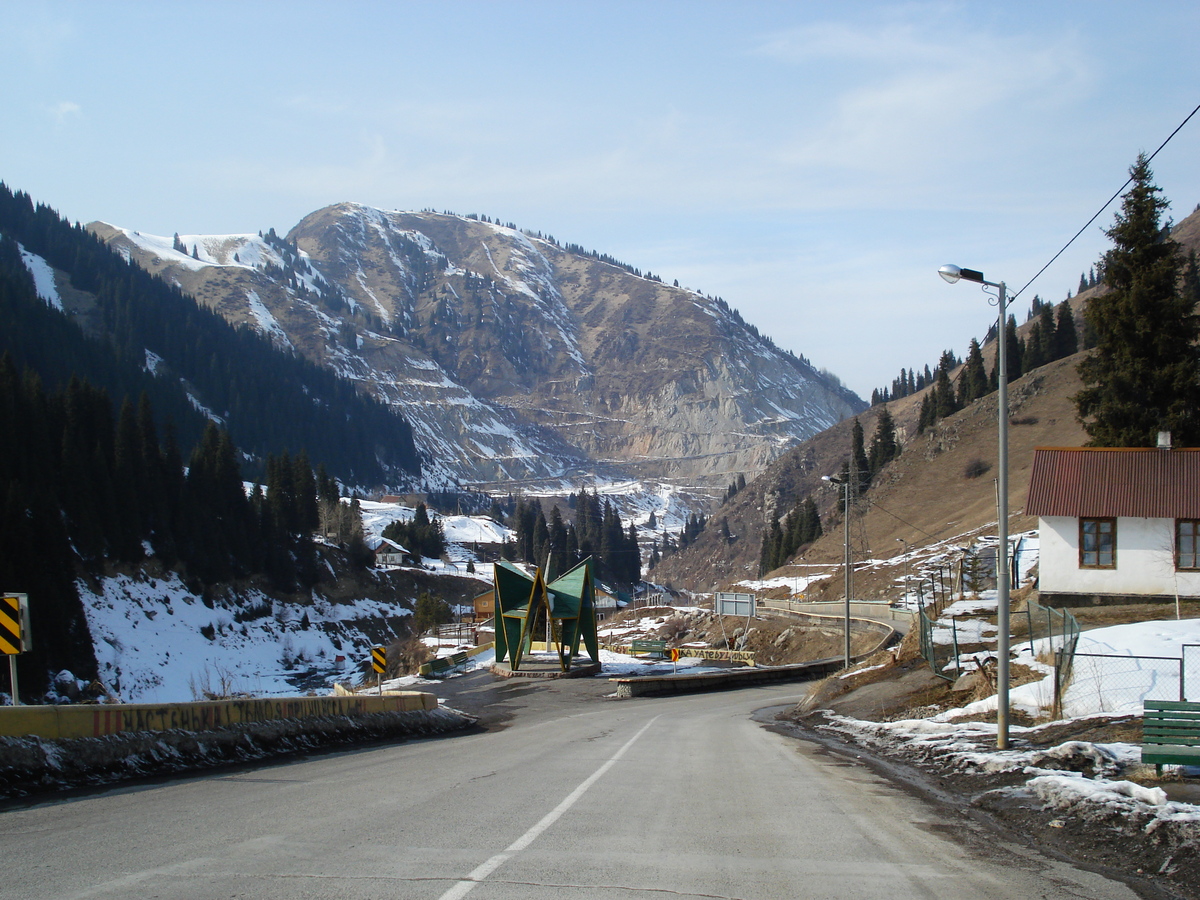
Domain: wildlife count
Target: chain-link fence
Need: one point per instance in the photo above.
(1121, 683)
(1050, 636)
(1189, 679)
(937, 642)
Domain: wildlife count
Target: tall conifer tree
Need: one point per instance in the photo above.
(1145, 374)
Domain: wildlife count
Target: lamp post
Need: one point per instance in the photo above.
(848, 482)
(905, 543)
(952, 274)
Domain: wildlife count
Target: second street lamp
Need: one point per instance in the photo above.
(848, 484)
(952, 274)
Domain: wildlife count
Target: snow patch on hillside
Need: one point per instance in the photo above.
(157, 642)
(267, 323)
(43, 278)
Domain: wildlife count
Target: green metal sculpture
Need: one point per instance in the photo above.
(569, 600)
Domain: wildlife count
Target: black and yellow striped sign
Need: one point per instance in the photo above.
(10, 625)
(379, 659)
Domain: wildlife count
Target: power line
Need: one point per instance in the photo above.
(897, 518)
(1101, 210)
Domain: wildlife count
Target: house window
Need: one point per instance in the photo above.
(1098, 543)
(1187, 543)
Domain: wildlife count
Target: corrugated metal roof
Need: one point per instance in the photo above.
(1094, 482)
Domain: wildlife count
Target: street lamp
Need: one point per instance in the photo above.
(952, 274)
(849, 485)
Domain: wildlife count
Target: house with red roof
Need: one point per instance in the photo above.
(1116, 525)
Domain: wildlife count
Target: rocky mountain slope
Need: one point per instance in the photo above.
(516, 360)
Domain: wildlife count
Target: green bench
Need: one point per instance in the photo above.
(444, 664)
(657, 648)
(1170, 733)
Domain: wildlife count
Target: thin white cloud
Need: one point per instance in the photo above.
(64, 110)
(905, 109)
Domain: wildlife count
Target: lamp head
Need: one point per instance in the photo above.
(952, 274)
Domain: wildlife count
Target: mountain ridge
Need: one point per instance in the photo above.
(516, 360)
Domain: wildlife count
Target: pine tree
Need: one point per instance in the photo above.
(944, 402)
(1145, 374)
(1066, 341)
(884, 447)
(973, 382)
(861, 465)
(926, 417)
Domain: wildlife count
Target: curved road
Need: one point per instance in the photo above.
(566, 794)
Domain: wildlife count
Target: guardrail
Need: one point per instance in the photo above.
(743, 656)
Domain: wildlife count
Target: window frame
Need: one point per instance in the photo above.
(1195, 542)
(1097, 535)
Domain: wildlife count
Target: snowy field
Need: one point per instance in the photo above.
(1100, 687)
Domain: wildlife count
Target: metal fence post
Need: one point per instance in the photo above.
(1058, 692)
(957, 658)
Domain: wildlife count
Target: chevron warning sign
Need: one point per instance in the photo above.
(10, 625)
(379, 659)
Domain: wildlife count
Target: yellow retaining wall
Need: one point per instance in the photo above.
(57, 722)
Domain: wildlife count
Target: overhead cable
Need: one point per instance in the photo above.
(1101, 210)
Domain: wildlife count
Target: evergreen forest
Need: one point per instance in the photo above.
(82, 488)
(270, 401)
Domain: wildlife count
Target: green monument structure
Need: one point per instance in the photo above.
(568, 602)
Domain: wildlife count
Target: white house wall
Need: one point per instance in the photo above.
(1145, 560)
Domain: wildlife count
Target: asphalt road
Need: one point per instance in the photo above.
(564, 793)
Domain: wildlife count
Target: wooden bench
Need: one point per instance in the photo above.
(444, 664)
(1170, 733)
(657, 648)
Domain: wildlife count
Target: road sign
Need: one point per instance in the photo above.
(727, 603)
(379, 659)
(674, 651)
(11, 620)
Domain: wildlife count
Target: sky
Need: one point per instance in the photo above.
(811, 163)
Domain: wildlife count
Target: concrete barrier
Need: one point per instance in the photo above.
(650, 685)
(80, 721)
(874, 610)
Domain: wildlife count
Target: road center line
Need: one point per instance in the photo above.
(462, 888)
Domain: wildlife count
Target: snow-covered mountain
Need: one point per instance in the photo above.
(516, 360)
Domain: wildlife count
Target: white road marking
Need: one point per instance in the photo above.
(462, 888)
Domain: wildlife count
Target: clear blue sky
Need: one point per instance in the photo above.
(812, 163)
